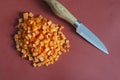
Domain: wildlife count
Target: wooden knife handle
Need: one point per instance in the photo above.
(61, 11)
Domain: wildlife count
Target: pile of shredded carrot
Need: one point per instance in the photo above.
(40, 40)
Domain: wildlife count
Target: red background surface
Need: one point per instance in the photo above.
(83, 62)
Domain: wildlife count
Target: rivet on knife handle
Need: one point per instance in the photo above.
(81, 29)
(61, 11)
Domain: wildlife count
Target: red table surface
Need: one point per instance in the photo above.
(83, 62)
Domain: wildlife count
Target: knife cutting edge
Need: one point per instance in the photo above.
(83, 31)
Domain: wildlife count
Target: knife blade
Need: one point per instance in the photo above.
(81, 29)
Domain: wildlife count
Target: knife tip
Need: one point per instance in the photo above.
(106, 51)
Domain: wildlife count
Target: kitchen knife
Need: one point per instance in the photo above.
(83, 31)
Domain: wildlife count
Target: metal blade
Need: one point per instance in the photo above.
(90, 37)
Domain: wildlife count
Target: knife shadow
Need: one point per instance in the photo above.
(45, 8)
